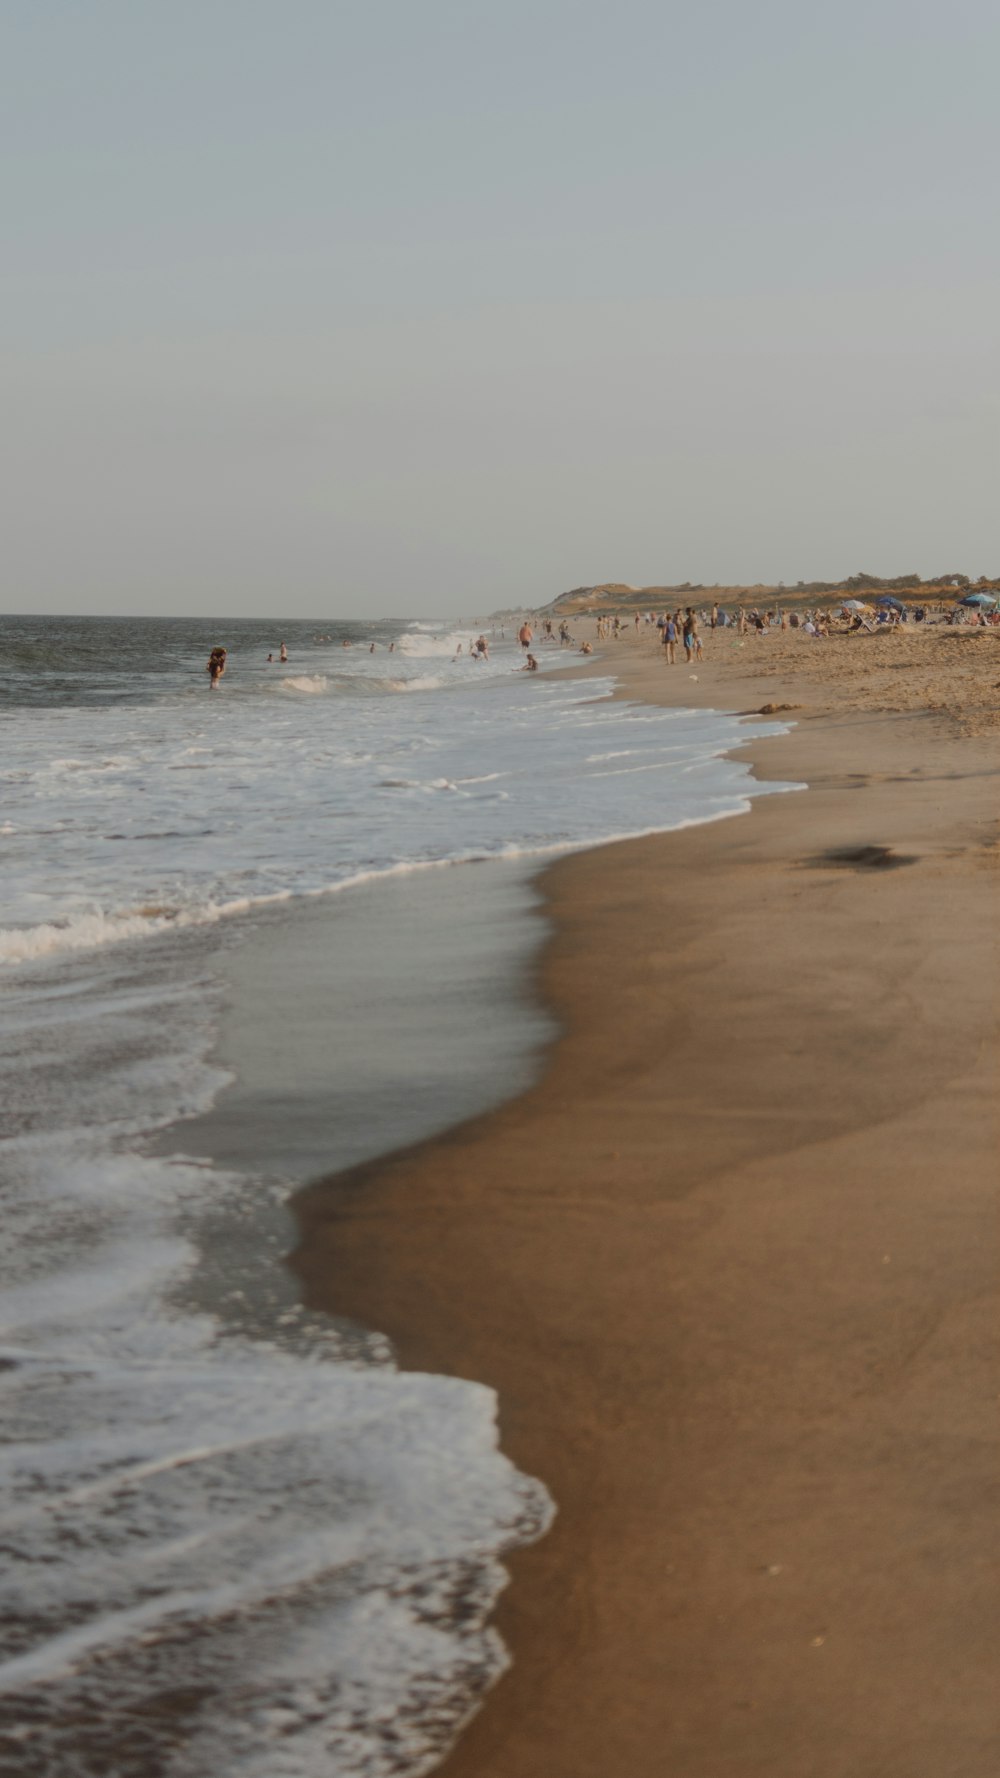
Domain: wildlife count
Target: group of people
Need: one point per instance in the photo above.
(680, 626)
(610, 628)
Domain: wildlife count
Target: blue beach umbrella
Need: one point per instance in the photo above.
(887, 599)
(979, 599)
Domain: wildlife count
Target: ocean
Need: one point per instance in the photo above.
(250, 936)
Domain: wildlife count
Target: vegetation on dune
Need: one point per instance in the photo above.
(618, 595)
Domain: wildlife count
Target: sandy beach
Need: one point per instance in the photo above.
(730, 1265)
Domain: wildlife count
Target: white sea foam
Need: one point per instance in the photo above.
(174, 1510)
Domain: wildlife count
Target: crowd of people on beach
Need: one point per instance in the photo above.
(684, 624)
(683, 627)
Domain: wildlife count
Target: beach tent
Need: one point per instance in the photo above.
(979, 599)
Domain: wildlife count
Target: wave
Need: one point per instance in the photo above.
(431, 644)
(87, 932)
(420, 682)
(307, 682)
(93, 931)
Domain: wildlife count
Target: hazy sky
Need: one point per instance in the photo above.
(388, 306)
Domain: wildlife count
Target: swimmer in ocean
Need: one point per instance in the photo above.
(215, 668)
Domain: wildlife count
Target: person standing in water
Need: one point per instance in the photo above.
(215, 668)
(525, 634)
(282, 653)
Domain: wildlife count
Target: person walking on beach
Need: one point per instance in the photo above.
(670, 640)
(525, 634)
(690, 634)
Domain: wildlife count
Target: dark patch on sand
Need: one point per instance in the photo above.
(861, 858)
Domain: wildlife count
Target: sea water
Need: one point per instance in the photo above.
(236, 1539)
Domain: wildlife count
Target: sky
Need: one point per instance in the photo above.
(378, 307)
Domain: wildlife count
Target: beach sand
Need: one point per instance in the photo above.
(731, 1263)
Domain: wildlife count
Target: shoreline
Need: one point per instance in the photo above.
(727, 1265)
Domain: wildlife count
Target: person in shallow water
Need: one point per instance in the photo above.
(215, 668)
(282, 653)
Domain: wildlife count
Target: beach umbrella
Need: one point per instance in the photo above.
(853, 605)
(979, 599)
(887, 599)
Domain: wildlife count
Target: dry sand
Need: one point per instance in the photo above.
(731, 1265)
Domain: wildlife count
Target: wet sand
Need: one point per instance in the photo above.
(731, 1267)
